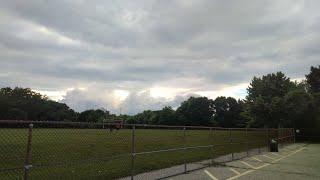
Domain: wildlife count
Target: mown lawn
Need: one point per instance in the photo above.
(99, 154)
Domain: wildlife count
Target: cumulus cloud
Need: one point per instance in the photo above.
(180, 47)
(132, 103)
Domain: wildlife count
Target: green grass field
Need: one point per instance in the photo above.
(99, 154)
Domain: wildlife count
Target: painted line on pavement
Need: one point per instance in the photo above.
(257, 159)
(276, 160)
(210, 175)
(247, 164)
(268, 157)
(286, 150)
(235, 171)
(276, 154)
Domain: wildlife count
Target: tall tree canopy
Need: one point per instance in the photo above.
(300, 108)
(227, 112)
(25, 104)
(195, 111)
(313, 82)
(93, 115)
(265, 99)
(167, 116)
(146, 117)
(313, 79)
(269, 86)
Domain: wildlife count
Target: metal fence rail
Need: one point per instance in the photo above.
(73, 150)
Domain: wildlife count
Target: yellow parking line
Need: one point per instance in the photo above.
(276, 154)
(247, 164)
(268, 157)
(288, 155)
(257, 159)
(276, 160)
(246, 172)
(266, 164)
(285, 150)
(235, 171)
(210, 175)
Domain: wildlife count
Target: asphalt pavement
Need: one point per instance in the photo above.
(295, 161)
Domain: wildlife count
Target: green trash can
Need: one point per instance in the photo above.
(273, 146)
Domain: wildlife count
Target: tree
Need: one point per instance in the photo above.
(25, 104)
(245, 116)
(227, 112)
(313, 79)
(259, 113)
(93, 115)
(269, 86)
(195, 111)
(265, 99)
(146, 117)
(17, 114)
(167, 116)
(300, 108)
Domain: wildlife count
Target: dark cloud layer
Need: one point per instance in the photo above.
(205, 45)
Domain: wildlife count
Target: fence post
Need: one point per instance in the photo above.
(27, 162)
(247, 142)
(133, 151)
(267, 140)
(294, 135)
(184, 145)
(259, 148)
(230, 143)
(211, 148)
(278, 136)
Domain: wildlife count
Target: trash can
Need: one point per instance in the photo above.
(273, 145)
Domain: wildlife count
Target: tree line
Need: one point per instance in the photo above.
(273, 100)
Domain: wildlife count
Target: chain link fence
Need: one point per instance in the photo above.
(69, 150)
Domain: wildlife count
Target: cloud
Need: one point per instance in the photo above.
(132, 103)
(180, 46)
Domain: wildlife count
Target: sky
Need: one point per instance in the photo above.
(130, 56)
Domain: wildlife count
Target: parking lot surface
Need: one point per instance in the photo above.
(296, 161)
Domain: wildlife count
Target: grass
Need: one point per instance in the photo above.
(99, 154)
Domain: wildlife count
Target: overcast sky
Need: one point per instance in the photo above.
(146, 54)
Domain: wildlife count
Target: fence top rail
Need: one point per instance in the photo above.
(128, 125)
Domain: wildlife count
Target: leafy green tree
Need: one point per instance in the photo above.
(16, 114)
(245, 116)
(93, 115)
(227, 112)
(25, 104)
(300, 108)
(278, 115)
(167, 116)
(265, 99)
(195, 111)
(146, 117)
(269, 86)
(313, 79)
